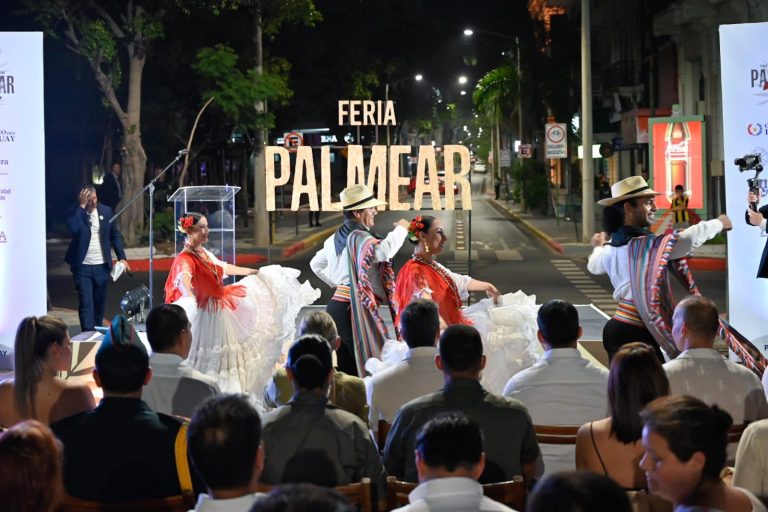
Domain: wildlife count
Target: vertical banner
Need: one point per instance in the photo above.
(22, 184)
(744, 70)
(677, 158)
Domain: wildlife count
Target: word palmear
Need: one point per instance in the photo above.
(383, 176)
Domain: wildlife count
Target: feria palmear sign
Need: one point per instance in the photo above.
(383, 173)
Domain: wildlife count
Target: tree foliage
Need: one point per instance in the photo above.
(496, 92)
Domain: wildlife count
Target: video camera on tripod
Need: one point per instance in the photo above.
(751, 163)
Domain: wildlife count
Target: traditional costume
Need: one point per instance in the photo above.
(357, 263)
(239, 330)
(639, 265)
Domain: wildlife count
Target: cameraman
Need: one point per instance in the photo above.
(758, 218)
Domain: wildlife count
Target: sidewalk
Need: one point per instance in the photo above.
(564, 236)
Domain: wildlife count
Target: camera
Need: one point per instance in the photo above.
(749, 163)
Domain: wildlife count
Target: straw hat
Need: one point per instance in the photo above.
(634, 186)
(358, 197)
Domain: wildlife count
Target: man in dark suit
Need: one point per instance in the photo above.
(758, 218)
(111, 192)
(89, 256)
(123, 450)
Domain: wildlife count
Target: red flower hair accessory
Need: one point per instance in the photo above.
(185, 223)
(414, 228)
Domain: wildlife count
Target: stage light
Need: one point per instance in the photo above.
(135, 302)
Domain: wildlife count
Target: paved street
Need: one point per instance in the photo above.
(485, 242)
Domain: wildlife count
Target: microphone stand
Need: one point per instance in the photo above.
(151, 187)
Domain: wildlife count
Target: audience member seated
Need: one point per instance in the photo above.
(175, 388)
(310, 467)
(414, 376)
(611, 446)
(509, 439)
(701, 371)
(578, 491)
(562, 388)
(42, 349)
(225, 448)
(685, 444)
(751, 471)
(122, 450)
(303, 498)
(449, 460)
(309, 422)
(30, 468)
(347, 391)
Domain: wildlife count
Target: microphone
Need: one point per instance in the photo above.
(183, 152)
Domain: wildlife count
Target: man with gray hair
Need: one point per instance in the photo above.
(347, 391)
(89, 255)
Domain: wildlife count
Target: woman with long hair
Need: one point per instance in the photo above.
(238, 330)
(685, 444)
(42, 350)
(611, 446)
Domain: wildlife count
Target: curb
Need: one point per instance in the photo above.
(551, 242)
(165, 263)
(308, 242)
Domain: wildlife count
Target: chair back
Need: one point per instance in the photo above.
(735, 432)
(381, 436)
(170, 504)
(510, 493)
(358, 493)
(556, 434)
(397, 492)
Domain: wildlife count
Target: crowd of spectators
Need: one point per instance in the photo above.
(647, 436)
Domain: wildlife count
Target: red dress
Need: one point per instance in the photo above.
(418, 275)
(207, 282)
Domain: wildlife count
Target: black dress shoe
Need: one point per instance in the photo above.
(317, 224)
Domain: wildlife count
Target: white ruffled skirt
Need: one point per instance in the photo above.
(509, 338)
(240, 347)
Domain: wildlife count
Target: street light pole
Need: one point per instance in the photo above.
(386, 102)
(587, 174)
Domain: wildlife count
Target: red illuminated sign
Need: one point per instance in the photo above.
(677, 153)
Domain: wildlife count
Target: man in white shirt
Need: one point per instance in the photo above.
(414, 376)
(449, 460)
(751, 472)
(702, 372)
(627, 217)
(175, 388)
(224, 439)
(357, 324)
(562, 388)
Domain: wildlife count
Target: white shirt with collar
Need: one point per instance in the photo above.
(94, 255)
(452, 494)
(614, 261)
(705, 374)
(176, 388)
(562, 388)
(240, 504)
(416, 375)
(333, 268)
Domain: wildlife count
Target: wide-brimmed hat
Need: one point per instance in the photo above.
(634, 186)
(358, 197)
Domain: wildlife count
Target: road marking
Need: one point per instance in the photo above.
(508, 255)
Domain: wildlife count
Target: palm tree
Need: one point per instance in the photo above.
(495, 95)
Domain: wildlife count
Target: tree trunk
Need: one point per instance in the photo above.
(260, 215)
(131, 222)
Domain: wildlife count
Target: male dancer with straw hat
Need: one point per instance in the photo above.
(636, 262)
(357, 263)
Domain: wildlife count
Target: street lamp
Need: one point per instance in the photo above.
(418, 77)
(462, 79)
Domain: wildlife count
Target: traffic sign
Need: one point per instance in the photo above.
(506, 158)
(525, 151)
(556, 140)
(293, 140)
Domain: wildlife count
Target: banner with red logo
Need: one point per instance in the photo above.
(677, 158)
(744, 75)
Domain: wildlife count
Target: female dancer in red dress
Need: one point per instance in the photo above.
(238, 330)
